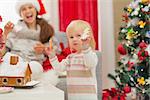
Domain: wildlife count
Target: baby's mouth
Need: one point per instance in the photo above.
(75, 44)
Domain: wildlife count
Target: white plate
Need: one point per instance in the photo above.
(6, 89)
(30, 84)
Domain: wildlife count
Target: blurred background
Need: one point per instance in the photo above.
(105, 16)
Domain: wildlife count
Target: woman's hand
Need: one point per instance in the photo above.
(8, 28)
(39, 48)
(50, 52)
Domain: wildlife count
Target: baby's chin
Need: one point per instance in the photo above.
(76, 50)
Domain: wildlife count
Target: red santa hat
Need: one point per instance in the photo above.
(20, 3)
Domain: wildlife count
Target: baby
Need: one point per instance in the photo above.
(80, 64)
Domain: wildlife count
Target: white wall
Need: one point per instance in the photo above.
(99, 28)
(107, 30)
(7, 11)
(52, 14)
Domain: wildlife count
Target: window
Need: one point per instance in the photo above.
(19, 81)
(5, 81)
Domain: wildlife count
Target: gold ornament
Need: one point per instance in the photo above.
(141, 24)
(145, 1)
(129, 10)
(141, 81)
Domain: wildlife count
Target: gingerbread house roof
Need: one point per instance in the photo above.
(17, 70)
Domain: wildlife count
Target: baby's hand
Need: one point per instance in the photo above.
(86, 43)
(85, 34)
(8, 28)
(85, 39)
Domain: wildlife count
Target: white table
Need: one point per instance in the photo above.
(40, 92)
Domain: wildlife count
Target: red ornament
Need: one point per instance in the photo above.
(47, 65)
(126, 18)
(130, 65)
(60, 57)
(139, 53)
(0, 19)
(1, 60)
(146, 53)
(141, 58)
(113, 94)
(61, 46)
(66, 51)
(1, 41)
(142, 55)
(127, 89)
(1, 31)
(119, 97)
(143, 45)
(121, 49)
(114, 90)
(106, 95)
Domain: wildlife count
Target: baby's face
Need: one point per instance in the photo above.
(74, 38)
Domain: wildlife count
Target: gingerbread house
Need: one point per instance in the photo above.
(14, 72)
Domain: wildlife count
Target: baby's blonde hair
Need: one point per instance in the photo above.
(81, 25)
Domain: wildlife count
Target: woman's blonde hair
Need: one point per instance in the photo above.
(82, 25)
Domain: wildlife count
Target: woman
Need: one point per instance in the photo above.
(29, 37)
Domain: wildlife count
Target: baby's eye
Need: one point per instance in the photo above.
(79, 35)
(71, 37)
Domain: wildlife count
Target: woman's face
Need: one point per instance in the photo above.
(28, 13)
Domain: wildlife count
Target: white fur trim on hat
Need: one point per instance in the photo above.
(20, 3)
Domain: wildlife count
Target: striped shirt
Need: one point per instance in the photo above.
(81, 74)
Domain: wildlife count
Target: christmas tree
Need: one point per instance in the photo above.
(133, 69)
